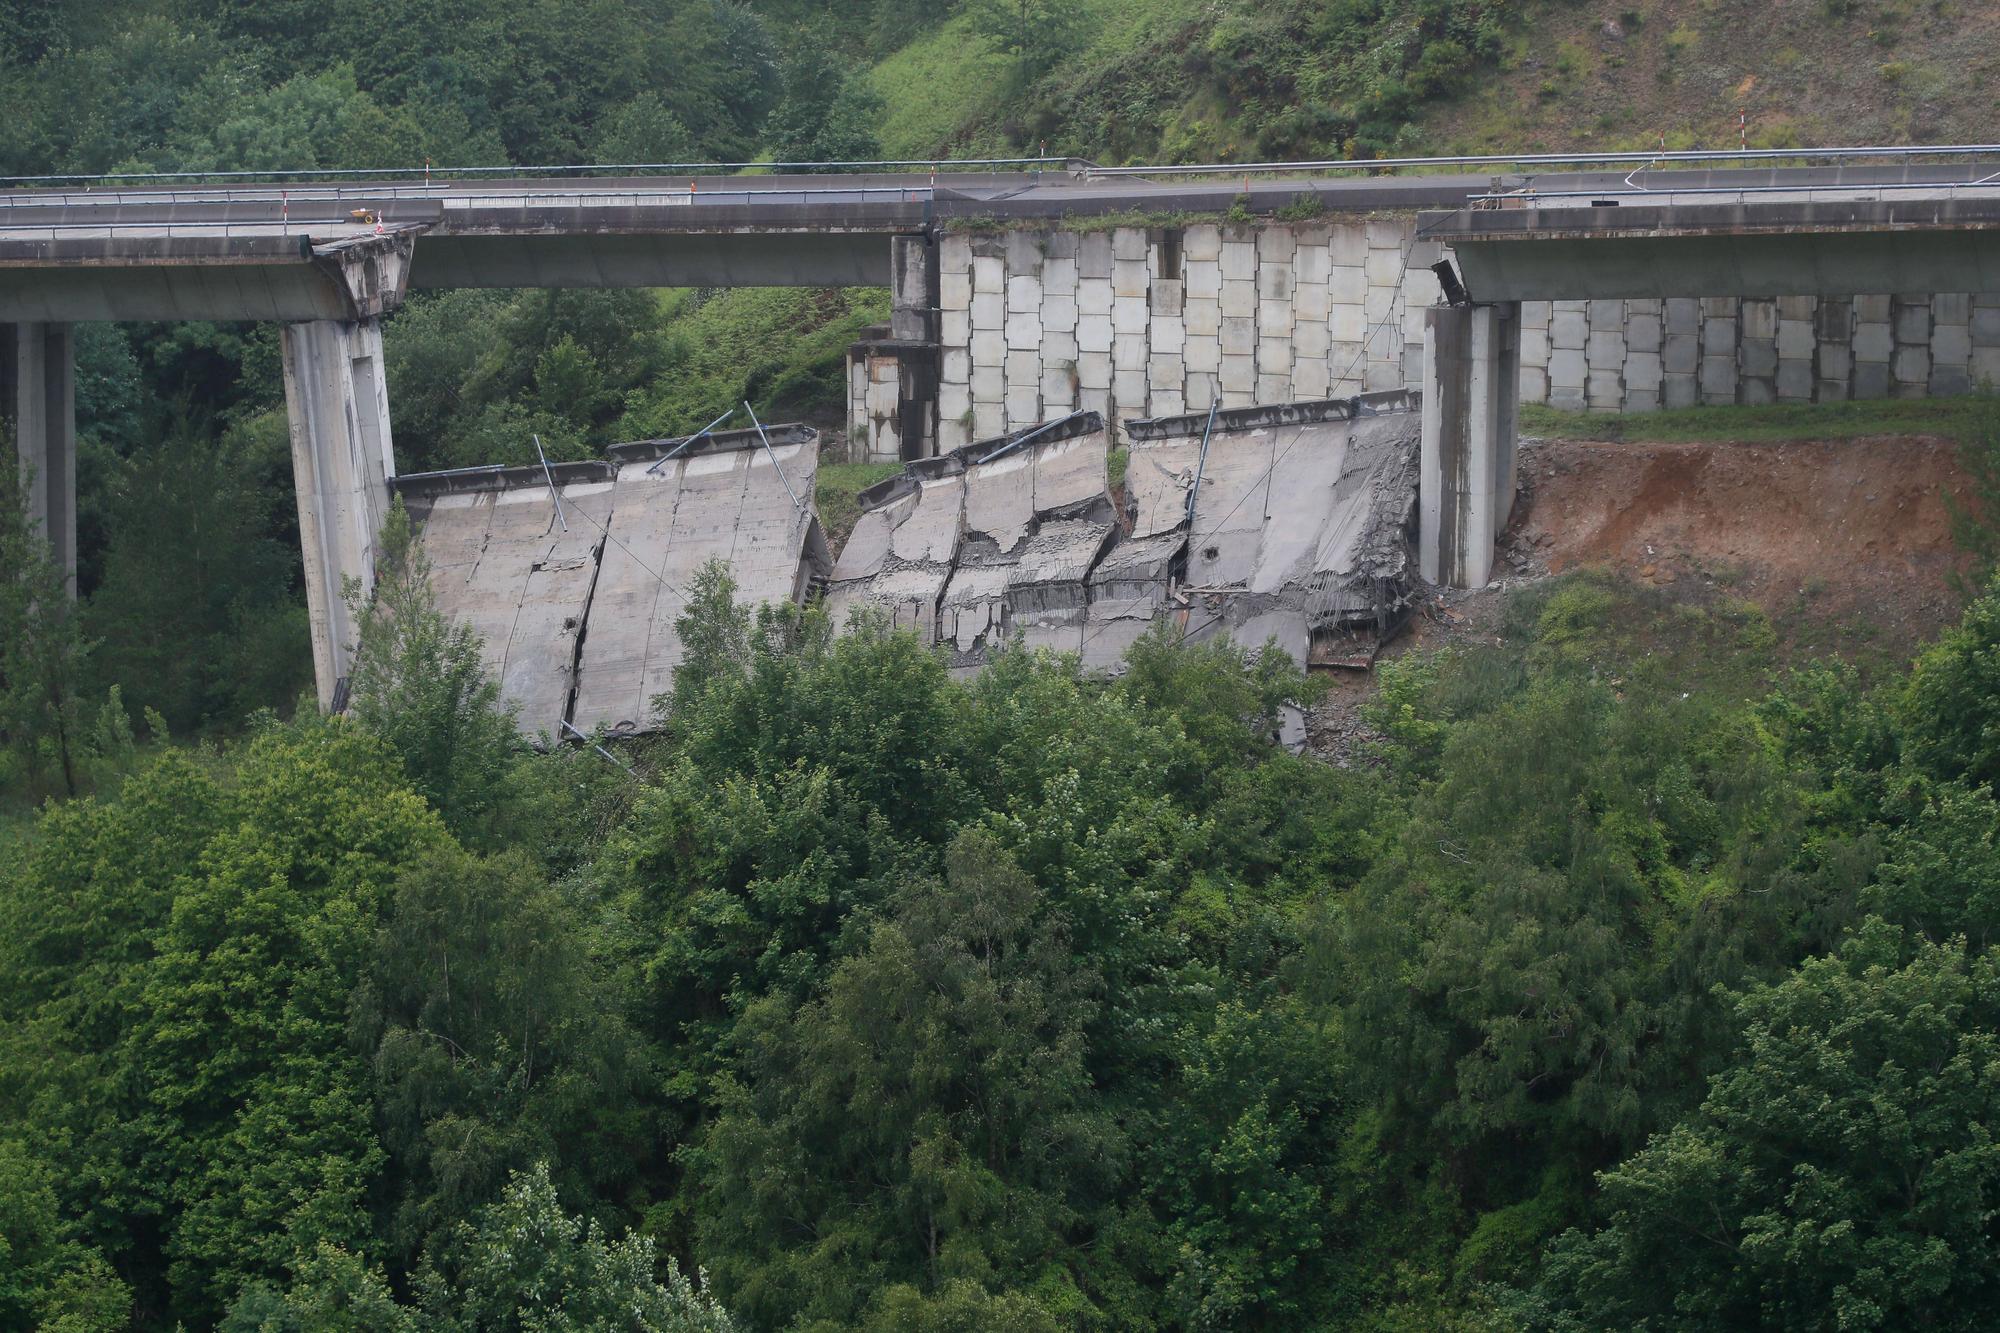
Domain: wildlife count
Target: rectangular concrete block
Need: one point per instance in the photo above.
(955, 327)
(954, 401)
(1795, 339)
(1912, 319)
(1166, 403)
(1535, 314)
(1058, 389)
(1348, 324)
(1796, 307)
(1274, 318)
(1830, 391)
(1873, 341)
(1239, 336)
(1059, 349)
(1347, 244)
(1605, 315)
(1383, 267)
(1167, 372)
(954, 291)
(1095, 400)
(1024, 331)
(955, 365)
(1720, 307)
(1951, 307)
(1129, 278)
(1202, 278)
(1024, 406)
(989, 310)
(1128, 243)
(1643, 370)
(1681, 391)
(1239, 299)
(1569, 330)
(1986, 326)
(1093, 256)
(1534, 384)
(989, 347)
(1347, 285)
(1128, 354)
(1058, 313)
(1984, 368)
(1381, 376)
(1379, 306)
(1238, 373)
(1024, 293)
(1129, 392)
(1951, 345)
(1911, 365)
(1567, 369)
(1758, 356)
(1312, 263)
(1640, 400)
(1871, 379)
(1757, 319)
(1642, 332)
(1836, 362)
(1388, 234)
(1059, 277)
(1604, 391)
(1874, 309)
(1201, 242)
(1310, 340)
(1128, 318)
(1093, 296)
(1167, 334)
(989, 274)
(1683, 314)
(1535, 347)
(1274, 282)
(1681, 354)
(1606, 350)
(1203, 354)
(1274, 356)
(989, 383)
(1023, 368)
(1166, 296)
(1276, 245)
(1949, 381)
(1718, 379)
(1795, 379)
(1756, 390)
(1023, 251)
(1239, 261)
(1311, 304)
(1312, 377)
(1093, 369)
(989, 420)
(1093, 333)
(1718, 337)
(1203, 318)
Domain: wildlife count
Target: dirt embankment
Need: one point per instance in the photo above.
(1820, 534)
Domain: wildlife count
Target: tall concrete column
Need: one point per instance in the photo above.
(38, 398)
(337, 398)
(913, 341)
(1471, 409)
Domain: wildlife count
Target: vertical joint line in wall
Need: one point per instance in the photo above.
(583, 616)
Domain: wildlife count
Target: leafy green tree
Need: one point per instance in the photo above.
(824, 114)
(929, 1117)
(643, 130)
(42, 648)
(1034, 34)
(1841, 1174)
(48, 1279)
(1951, 708)
(495, 1040)
(419, 683)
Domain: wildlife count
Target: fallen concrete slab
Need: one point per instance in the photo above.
(578, 624)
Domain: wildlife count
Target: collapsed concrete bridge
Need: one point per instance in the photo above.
(1600, 289)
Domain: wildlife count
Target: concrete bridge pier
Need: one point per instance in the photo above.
(38, 399)
(337, 399)
(1471, 411)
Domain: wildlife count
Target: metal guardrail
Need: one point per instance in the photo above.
(1636, 192)
(1619, 159)
(443, 196)
(430, 174)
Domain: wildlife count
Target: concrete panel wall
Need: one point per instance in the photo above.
(1136, 322)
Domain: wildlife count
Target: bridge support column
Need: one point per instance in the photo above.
(38, 398)
(337, 399)
(913, 334)
(1471, 409)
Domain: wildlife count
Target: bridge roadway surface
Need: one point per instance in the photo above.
(99, 253)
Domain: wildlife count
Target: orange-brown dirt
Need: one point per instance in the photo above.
(1851, 533)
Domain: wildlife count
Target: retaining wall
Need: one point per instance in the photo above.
(1136, 322)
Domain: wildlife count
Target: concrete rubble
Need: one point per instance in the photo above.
(577, 621)
(1300, 533)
